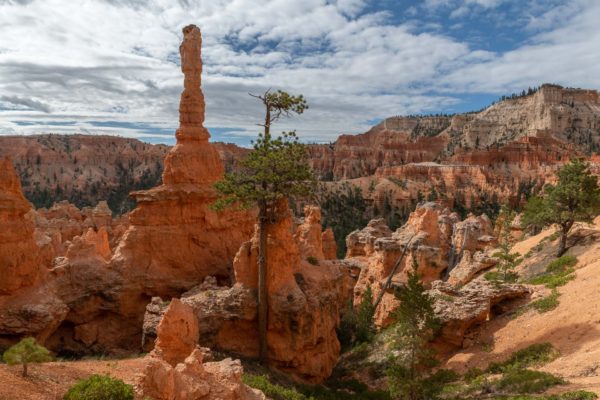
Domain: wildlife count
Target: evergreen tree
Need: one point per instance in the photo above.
(274, 170)
(575, 198)
(364, 318)
(25, 352)
(410, 375)
(507, 261)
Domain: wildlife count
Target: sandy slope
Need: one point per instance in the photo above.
(573, 327)
(50, 381)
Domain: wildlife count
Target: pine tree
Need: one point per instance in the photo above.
(575, 198)
(364, 318)
(25, 352)
(274, 170)
(507, 261)
(415, 325)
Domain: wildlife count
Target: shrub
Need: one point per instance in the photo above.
(527, 381)
(561, 263)
(558, 273)
(472, 373)
(100, 387)
(534, 355)
(576, 395)
(25, 352)
(312, 260)
(273, 391)
(547, 303)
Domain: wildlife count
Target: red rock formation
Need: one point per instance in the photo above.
(175, 369)
(175, 239)
(177, 333)
(435, 240)
(329, 244)
(20, 265)
(305, 301)
(309, 235)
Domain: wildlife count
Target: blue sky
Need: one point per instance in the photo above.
(111, 66)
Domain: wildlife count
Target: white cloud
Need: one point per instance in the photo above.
(116, 60)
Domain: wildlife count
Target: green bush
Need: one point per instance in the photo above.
(100, 387)
(472, 373)
(547, 303)
(25, 352)
(273, 391)
(527, 381)
(576, 395)
(561, 264)
(497, 276)
(530, 356)
(558, 273)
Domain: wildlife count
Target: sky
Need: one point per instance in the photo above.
(112, 66)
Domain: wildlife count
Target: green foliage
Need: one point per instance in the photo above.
(344, 210)
(356, 326)
(554, 280)
(342, 390)
(535, 355)
(527, 381)
(561, 264)
(575, 198)
(275, 169)
(364, 318)
(27, 351)
(409, 375)
(312, 260)
(547, 303)
(507, 261)
(273, 391)
(575, 395)
(100, 387)
(472, 373)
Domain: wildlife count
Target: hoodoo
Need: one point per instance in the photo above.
(175, 239)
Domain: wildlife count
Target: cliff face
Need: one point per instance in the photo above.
(87, 169)
(83, 169)
(512, 131)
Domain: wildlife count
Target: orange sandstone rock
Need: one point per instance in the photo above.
(20, 265)
(175, 239)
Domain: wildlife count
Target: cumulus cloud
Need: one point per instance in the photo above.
(117, 61)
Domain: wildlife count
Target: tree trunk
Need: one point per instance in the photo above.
(562, 247)
(262, 286)
(24, 370)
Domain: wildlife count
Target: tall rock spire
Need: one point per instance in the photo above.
(193, 160)
(191, 105)
(176, 239)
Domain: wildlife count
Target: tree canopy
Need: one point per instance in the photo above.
(574, 198)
